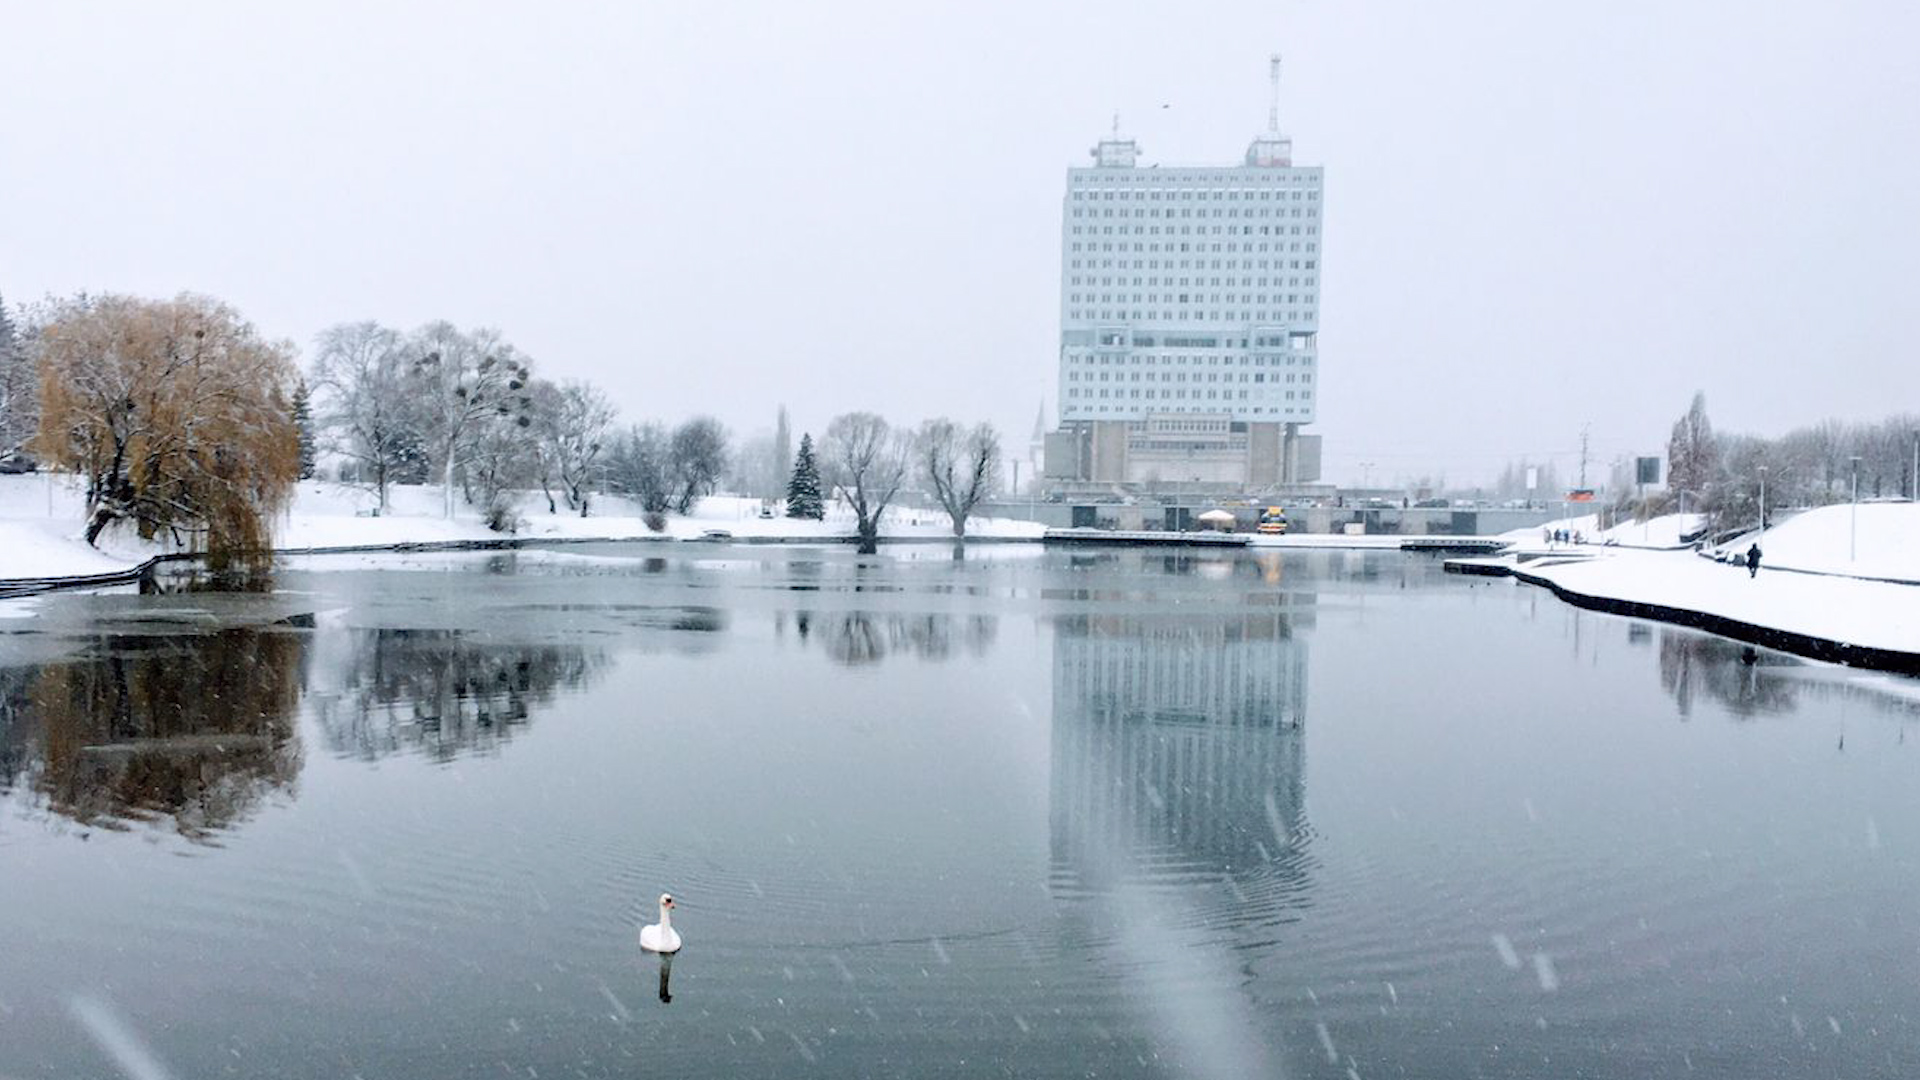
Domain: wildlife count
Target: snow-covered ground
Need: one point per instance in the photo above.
(1865, 613)
(1662, 532)
(41, 519)
(1883, 542)
(1831, 601)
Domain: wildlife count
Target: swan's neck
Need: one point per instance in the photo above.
(666, 919)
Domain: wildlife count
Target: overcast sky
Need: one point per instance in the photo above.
(1538, 215)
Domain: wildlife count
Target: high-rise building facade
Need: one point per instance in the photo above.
(1189, 318)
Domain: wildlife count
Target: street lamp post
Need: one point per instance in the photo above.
(1853, 523)
(1763, 498)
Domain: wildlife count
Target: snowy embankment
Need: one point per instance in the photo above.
(1870, 540)
(41, 523)
(1661, 533)
(1815, 612)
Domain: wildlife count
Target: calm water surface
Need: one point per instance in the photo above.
(1090, 815)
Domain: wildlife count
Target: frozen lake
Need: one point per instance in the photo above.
(1090, 814)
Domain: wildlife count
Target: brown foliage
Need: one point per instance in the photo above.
(179, 415)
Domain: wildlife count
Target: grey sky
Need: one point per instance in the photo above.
(1537, 215)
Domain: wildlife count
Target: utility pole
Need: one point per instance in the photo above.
(1584, 429)
(1853, 524)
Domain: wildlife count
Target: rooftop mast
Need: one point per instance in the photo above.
(1273, 99)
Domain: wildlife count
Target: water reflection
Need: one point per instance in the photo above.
(1744, 679)
(860, 638)
(1178, 754)
(1749, 682)
(192, 732)
(442, 693)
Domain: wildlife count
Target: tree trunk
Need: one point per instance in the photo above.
(869, 531)
(101, 518)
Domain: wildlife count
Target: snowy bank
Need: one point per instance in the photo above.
(1867, 540)
(41, 525)
(1863, 623)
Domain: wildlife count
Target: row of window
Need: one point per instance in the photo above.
(1188, 212)
(1203, 264)
(1123, 359)
(1198, 247)
(1092, 314)
(1181, 376)
(1197, 298)
(1079, 393)
(1085, 410)
(1308, 212)
(1195, 230)
(1246, 282)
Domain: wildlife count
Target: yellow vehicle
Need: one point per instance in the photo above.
(1273, 520)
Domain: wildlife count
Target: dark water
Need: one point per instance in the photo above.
(1104, 815)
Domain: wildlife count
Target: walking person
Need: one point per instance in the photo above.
(1753, 561)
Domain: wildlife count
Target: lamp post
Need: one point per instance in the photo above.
(1763, 498)
(1853, 522)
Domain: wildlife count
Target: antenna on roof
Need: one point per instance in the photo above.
(1116, 123)
(1273, 98)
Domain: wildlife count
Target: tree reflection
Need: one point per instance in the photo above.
(861, 638)
(1746, 680)
(444, 693)
(193, 732)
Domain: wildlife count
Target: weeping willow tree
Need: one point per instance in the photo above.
(178, 415)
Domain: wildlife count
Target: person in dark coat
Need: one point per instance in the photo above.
(1753, 561)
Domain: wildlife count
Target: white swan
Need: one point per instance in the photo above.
(661, 937)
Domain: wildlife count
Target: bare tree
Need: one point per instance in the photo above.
(640, 467)
(961, 468)
(699, 455)
(867, 460)
(177, 413)
(573, 420)
(367, 414)
(462, 380)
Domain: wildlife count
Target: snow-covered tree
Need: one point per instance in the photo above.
(867, 461)
(699, 455)
(303, 424)
(574, 420)
(19, 389)
(178, 415)
(803, 488)
(781, 451)
(1693, 455)
(960, 468)
(367, 410)
(462, 382)
(640, 467)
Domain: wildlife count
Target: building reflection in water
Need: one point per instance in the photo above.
(1178, 817)
(1178, 748)
(191, 732)
(442, 693)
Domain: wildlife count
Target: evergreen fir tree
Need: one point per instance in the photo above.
(303, 423)
(803, 491)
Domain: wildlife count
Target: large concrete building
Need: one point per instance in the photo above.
(1189, 319)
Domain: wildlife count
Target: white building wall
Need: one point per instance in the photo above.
(1190, 289)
